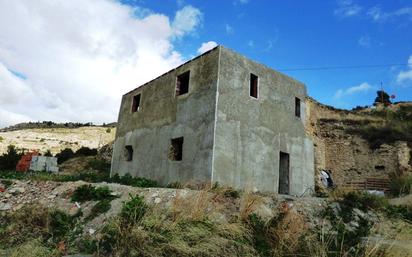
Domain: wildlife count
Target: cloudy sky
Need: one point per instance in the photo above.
(72, 60)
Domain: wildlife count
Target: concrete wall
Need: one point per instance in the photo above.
(251, 132)
(164, 116)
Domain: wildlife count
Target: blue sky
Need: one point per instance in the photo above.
(73, 60)
(311, 34)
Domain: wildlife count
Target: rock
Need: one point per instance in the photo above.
(157, 200)
(17, 190)
(7, 195)
(91, 231)
(5, 206)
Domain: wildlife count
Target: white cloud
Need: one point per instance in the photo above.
(243, 1)
(80, 56)
(347, 8)
(186, 20)
(405, 75)
(364, 41)
(206, 46)
(251, 43)
(364, 87)
(229, 29)
(376, 13)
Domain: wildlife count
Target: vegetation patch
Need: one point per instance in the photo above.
(9, 160)
(397, 126)
(99, 208)
(133, 181)
(400, 184)
(90, 193)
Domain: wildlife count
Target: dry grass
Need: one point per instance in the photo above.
(33, 248)
(248, 204)
(288, 232)
(193, 206)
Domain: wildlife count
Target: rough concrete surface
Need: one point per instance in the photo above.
(229, 137)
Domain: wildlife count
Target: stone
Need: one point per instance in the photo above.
(157, 200)
(5, 206)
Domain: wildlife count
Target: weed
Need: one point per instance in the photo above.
(399, 211)
(133, 210)
(248, 203)
(133, 181)
(176, 185)
(99, 165)
(6, 183)
(33, 248)
(91, 193)
(1, 139)
(400, 184)
(99, 208)
(364, 201)
(60, 224)
(88, 245)
(230, 192)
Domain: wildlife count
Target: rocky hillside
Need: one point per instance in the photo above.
(56, 139)
(355, 145)
(59, 219)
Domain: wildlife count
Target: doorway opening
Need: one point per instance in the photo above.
(284, 173)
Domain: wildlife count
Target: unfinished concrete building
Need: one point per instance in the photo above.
(217, 118)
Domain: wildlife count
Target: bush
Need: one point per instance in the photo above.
(400, 184)
(99, 165)
(364, 201)
(9, 160)
(86, 151)
(65, 155)
(1, 139)
(90, 193)
(133, 181)
(99, 208)
(133, 210)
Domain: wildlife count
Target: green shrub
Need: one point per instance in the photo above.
(1, 139)
(86, 151)
(399, 211)
(133, 181)
(60, 224)
(9, 160)
(400, 184)
(261, 240)
(108, 130)
(133, 210)
(99, 208)
(364, 201)
(90, 193)
(99, 165)
(230, 192)
(65, 155)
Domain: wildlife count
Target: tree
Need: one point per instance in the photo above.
(382, 98)
(9, 160)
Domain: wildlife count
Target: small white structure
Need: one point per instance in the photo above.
(44, 163)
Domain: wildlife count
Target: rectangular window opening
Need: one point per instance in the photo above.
(182, 83)
(128, 153)
(253, 85)
(136, 103)
(297, 107)
(176, 149)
